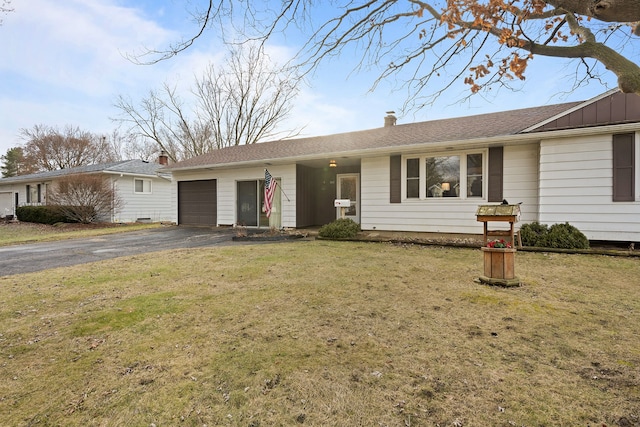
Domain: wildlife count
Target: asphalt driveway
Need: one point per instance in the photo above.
(42, 256)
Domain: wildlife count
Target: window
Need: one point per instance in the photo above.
(443, 176)
(474, 175)
(413, 178)
(250, 207)
(34, 193)
(457, 175)
(142, 185)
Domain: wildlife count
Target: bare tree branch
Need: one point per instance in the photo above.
(243, 102)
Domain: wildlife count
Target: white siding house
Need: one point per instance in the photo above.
(558, 161)
(146, 194)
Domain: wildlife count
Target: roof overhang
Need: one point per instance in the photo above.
(525, 137)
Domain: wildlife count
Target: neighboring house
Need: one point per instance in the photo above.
(146, 193)
(573, 162)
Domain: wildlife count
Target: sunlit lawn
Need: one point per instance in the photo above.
(322, 333)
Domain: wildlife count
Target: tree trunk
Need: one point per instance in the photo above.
(604, 10)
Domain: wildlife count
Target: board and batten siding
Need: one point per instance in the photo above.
(155, 206)
(227, 179)
(576, 186)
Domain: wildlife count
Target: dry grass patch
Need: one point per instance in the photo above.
(25, 232)
(322, 333)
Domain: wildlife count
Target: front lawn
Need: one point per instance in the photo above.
(26, 232)
(322, 333)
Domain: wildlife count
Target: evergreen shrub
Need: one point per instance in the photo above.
(561, 236)
(40, 214)
(343, 228)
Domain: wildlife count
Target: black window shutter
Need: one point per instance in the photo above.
(623, 167)
(395, 182)
(28, 193)
(496, 168)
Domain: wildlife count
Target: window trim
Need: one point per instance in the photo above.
(463, 176)
(143, 180)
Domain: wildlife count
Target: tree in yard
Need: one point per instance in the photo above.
(5, 7)
(13, 163)
(479, 42)
(84, 198)
(47, 148)
(242, 102)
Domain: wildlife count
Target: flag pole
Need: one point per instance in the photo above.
(282, 191)
(278, 185)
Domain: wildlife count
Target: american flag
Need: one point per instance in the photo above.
(269, 192)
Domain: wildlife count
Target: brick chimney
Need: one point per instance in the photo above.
(390, 119)
(163, 159)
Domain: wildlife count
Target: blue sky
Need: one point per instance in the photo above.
(63, 63)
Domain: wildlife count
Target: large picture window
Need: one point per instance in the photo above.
(443, 176)
(459, 175)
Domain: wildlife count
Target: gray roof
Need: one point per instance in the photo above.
(130, 167)
(455, 130)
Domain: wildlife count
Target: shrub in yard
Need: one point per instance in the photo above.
(343, 228)
(561, 236)
(533, 233)
(85, 198)
(565, 236)
(40, 214)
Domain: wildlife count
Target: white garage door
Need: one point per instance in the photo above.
(6, 205)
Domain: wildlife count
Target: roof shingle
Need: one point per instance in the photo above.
(454, 129)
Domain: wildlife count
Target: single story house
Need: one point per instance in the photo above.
(573, 162)
(144, 190)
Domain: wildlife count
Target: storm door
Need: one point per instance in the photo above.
(349, 188)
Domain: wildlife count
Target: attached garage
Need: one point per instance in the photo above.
(6, 204)
(197, 203)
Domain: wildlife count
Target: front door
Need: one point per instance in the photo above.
(349, 188)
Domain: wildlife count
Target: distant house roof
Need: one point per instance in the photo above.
(129, 167)
(600, 110)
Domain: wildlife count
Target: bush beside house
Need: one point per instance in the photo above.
(560, 236)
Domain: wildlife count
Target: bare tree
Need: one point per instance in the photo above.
(84, 198)
(48, 148)
(5, 8)
(242, 102)
(126, 145)
(479, 42)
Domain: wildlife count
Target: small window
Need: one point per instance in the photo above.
(413, 178)
(474, 175)
(142, 185)
(443, 176)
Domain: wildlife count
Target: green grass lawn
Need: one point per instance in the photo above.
(322, 333)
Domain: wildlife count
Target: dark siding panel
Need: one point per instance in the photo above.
(590, 113)
(305, 197)
(576, 119)
(325, 211)
(197, 203)
(496, 168)
(395, 183)
(604, 110)
(623, 167)
(616, 108)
